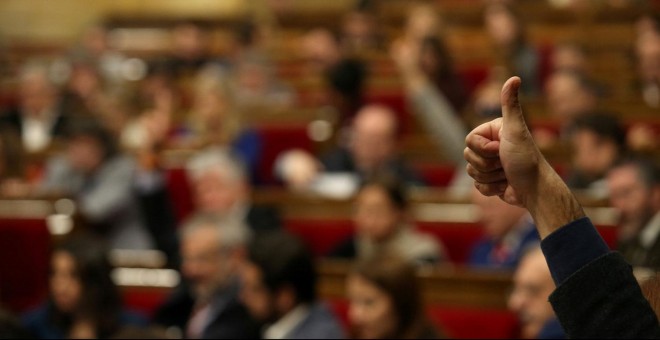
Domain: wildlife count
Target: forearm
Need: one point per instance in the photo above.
(439, 118)
(551, 203)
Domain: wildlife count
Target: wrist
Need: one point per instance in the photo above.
(550, 202)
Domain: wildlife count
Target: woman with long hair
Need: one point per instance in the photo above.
(385, 301)
(84, 301)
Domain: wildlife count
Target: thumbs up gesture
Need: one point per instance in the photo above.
(503, 160)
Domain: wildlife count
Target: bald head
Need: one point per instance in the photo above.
(374, 137)
(532, 286)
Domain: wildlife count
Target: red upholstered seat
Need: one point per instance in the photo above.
(179, 192)
(321, 236)
(24, 263)
(144, 300)
(457, 237)
(474, 323)
(436, 175)
(457, 322)
(275, 140)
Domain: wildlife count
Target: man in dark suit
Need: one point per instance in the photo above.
(37, 118)
(634, 187)
(206, 306)
(279, 289)
(220, 185)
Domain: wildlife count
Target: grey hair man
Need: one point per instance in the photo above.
(206, 306)
(220, 186)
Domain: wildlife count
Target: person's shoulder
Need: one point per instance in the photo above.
(130, 317)
(35, 316)
(321, 323)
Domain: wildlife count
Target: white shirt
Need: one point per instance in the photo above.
(650, 233)
(286, 324)
(35, 133)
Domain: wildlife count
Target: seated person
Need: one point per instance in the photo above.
(509, 232)
(214, 119)
(598, 140)
(102, 181)
(385, 301)
(507, 31)
(532, 284)
(568, 94)
(220, 186)
(38, 118)
(279, 289)
(84, 301)
(381, 224)
(255, 84)
(206, 305)
(634, 187)
(343, 75)
(371, 150)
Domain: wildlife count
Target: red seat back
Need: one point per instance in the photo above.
(24, 262)
(321, 236)
(275, 140)
(457, 322)
(458, 238)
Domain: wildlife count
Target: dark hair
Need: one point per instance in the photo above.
(394, 189)
(100, 300)
(397, 279)
(284, 260)
(89, 127)
(605, 125)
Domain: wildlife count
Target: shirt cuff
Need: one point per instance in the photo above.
(572, 247)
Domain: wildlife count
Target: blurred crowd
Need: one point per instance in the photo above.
(94, 124)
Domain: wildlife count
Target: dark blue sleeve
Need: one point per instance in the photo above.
(572, 247)
(248, 146)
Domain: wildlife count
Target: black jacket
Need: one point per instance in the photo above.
(603, 300)
(231, 322)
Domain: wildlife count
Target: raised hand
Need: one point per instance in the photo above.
(504, 160)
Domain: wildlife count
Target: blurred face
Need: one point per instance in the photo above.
(371, 312)
(205, 264)
(373, 141)
(501, 26)
(630, 197)
(566, 98)
(496, 216)
(215, 193)
(592, 155)
(65, 285)
(36, 94)
(254, 293)
(211, 109)
(253, 77)
(568, 57)
(422, 22)
(648, 54)
(84, 153)
(320, 49)
(376, 218)
(529, 299)
(189, 41)
(358, 25)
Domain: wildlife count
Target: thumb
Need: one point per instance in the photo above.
(512, 115)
